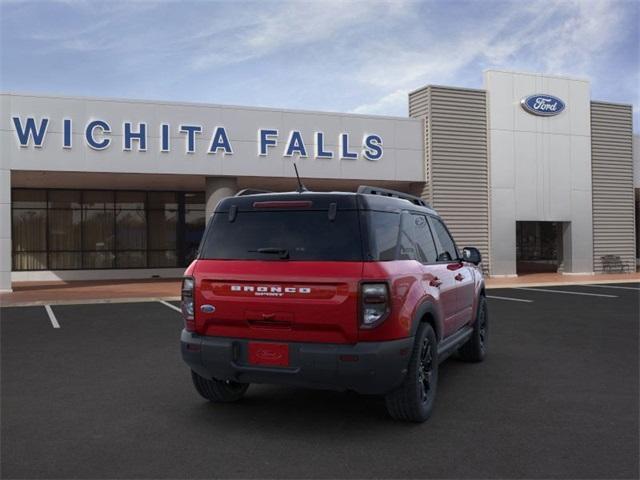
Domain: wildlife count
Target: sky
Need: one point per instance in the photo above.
(344, 56)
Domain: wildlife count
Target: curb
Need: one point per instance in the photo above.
(561, 284)
(40, 303)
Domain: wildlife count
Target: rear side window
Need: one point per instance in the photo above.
(383, 235)
(306, 235)
(447, 250)
(427, 252)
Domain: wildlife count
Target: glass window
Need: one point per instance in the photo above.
(162, 201)
(64, 198)
(131, 230)
(92, 229)
(22, 198)
(99, 199)
(97, 230)
(166, 258)
(129, 259)
(130, 200)
(194, 201)
(29, 230)
(162, 229)
(65, 260)
(30, 260)
(93, 260)
(383, 235)
(447, 250)
(425, 244)
(303, 235)
(194, 223)
(65, 230)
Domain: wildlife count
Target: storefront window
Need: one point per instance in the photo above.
(93, 229)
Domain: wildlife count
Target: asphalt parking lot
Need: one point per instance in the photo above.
(106, 395)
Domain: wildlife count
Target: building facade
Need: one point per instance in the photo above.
(528, 169)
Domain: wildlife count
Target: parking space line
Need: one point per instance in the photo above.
(52, 317)
(511, 299)
(612, 286)
(567, 292)
(177, 309)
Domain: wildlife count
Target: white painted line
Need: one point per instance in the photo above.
(512, 299)
(52, 317)
(177, 309)
(567, 291)
(612, 286)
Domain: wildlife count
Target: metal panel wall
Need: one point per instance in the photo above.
(457, 183)
(612, 180)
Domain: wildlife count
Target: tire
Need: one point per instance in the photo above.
(413, 400)
(217, 390)
(475, 349)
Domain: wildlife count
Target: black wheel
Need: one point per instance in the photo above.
(413, 400)
(218, 390)
(475, 349)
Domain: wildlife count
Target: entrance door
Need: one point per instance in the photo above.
(538, 247)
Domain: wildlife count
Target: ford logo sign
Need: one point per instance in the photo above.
(544, 105)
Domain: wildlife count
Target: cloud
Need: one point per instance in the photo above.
(291, 25)
(564, 37)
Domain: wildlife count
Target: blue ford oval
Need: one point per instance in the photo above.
(541, 104)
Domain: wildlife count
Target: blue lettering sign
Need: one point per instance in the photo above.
(372, 147)
(191, 131)
(67, 133)
(89, 132)
(219, 140)
(345, 154)
(320, 151)
(30, 131)
(295, 145)
(264, 140)
(164, 137)
(140, 136)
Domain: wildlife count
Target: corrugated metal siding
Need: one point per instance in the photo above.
(457, 176)
(612, 180)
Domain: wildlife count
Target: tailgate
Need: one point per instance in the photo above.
(295, 301)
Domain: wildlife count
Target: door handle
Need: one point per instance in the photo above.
(459, 277)
(435, 282)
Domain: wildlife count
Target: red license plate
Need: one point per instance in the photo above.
(269, 354)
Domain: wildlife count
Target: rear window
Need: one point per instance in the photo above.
(277, 235)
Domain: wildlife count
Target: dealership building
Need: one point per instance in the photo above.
(529, 169)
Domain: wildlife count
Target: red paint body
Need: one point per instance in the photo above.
(329, 312)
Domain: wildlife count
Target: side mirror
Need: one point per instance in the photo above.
(471, 255)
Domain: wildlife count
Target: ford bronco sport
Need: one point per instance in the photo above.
(361, 291)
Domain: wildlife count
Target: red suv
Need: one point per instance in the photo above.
(361, 291)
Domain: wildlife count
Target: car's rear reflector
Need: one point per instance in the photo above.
(283, 204)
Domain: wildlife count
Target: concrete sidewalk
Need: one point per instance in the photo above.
(40, 293)
(55, 293)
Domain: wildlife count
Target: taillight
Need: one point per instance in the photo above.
(187, 304)
(374, 304)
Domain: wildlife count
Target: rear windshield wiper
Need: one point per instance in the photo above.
(283, 253)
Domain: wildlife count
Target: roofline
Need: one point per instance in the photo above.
(605, 102)
(538, 74)
(207, 105)
(468, 89)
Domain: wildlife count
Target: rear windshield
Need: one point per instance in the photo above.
(284, 235)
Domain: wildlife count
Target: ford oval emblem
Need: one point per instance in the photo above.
(207, 309)
(543, 105)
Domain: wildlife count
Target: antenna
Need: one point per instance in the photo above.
(301, 187)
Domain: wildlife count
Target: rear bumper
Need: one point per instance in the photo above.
(378, 369)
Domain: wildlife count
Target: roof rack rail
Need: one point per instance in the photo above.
(250, 191)
(392, 193)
